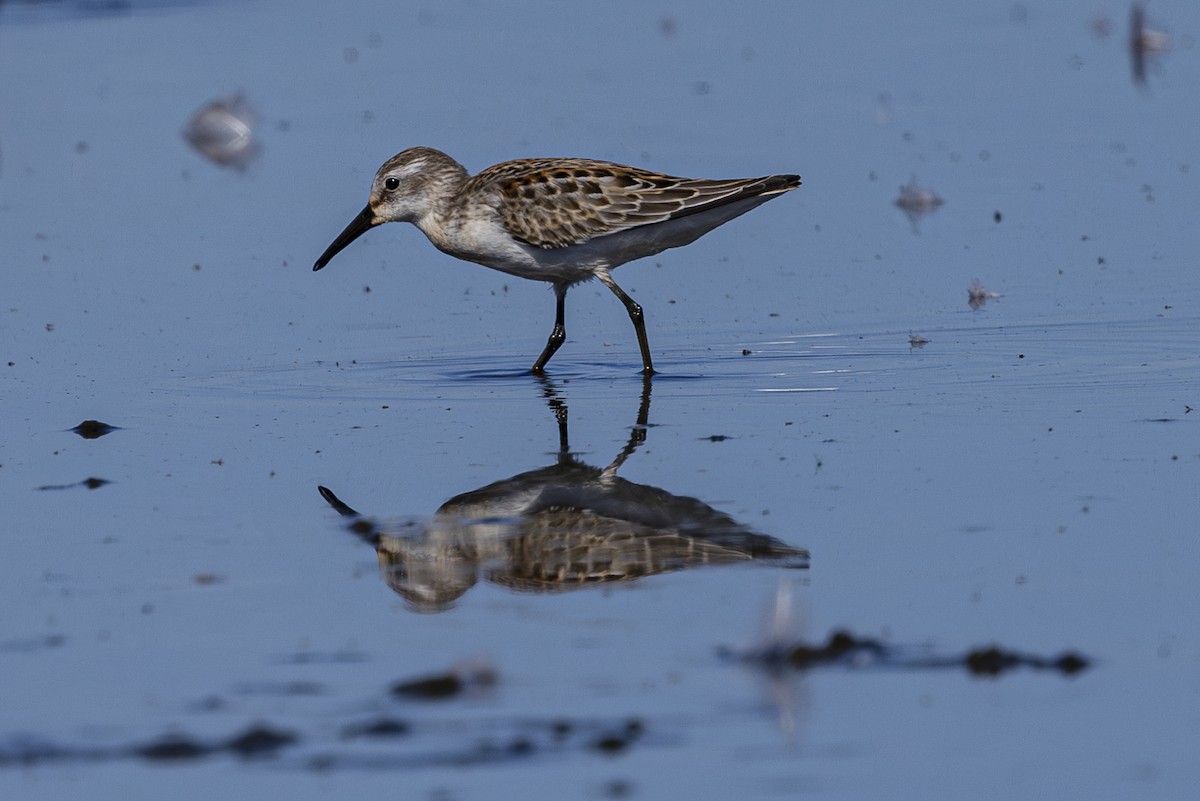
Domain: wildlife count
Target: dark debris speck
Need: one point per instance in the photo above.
(93, 429)
(173, 747)
(383, 727)
(447, 685)
(259, 740)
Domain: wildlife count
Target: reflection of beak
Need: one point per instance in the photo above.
(357, 227)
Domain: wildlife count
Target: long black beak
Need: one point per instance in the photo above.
(357, 227)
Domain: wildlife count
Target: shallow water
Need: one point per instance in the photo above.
(1026, 478)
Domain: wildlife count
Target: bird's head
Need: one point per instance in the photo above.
(407, 188)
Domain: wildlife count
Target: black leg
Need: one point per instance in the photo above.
(635, 314)
(559, 334)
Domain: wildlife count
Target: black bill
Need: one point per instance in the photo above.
(357, 227)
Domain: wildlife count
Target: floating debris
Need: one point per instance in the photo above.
(447, 685)
(45, 11)
(258, 741)
(293, 689)
(1144, 43)
(173, 747)
(916, 201)
(1101, 26)
(409, 746)
(841, 646)
(30, 644)
(844, 649)
(380, 728)
(321, 658)
(978, 296)
(781, 651)
(993, 661)
(223, 132)
(616, 742)
(90, 482)
(93, 429)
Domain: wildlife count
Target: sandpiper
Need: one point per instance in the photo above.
(559, 220)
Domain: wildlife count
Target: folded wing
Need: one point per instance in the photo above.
(554, 203)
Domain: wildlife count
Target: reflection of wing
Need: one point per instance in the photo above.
(565, 548)
(574, 485)
(570, 525)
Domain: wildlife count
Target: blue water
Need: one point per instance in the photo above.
(1027, 478)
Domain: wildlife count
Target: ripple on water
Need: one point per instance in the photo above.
(1115, 354)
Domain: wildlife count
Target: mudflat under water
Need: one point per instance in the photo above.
(592, 586)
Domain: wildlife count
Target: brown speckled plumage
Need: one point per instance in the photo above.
(561, 220)
(553, 203)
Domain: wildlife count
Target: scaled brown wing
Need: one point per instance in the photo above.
(552, 203)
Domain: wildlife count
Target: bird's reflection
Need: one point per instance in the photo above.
(562, 527)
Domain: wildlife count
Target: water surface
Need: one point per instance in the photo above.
(1025, 478)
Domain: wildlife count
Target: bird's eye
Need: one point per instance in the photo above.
(391, 183)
